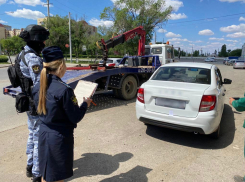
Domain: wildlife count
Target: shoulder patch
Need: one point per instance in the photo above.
(36, 68)
(74, 100)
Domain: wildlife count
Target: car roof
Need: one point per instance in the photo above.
(113, 58)
(189, 64)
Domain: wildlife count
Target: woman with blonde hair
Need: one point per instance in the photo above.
(59, 113)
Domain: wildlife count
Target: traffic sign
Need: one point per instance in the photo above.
(67, 45)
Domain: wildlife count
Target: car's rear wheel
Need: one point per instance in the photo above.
(216, 134)
(129, 88)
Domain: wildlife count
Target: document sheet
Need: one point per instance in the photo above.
(84, 89)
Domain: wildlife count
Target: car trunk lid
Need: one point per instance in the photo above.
(174, 98)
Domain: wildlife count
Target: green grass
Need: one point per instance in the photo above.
(4, 63)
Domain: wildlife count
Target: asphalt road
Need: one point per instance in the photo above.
(111, 145)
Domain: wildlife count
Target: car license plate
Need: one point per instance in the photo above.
(172, 103)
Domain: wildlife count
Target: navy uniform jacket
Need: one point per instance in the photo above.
(55, 144)
(63, 112)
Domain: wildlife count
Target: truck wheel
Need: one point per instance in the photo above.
(129, 88)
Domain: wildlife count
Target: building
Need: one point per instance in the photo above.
(15, 32)
(243, 51)
(7, 27)
(40, 21)
(91, 30)
(2, 32)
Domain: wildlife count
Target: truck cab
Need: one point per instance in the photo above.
(164, 51)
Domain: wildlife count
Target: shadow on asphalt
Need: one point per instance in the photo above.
(227, 132)
(91, 164)
(108, 100)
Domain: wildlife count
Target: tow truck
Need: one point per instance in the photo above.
(123, 80)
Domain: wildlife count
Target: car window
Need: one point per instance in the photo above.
(183, 74)
(157, 50)
(101, 61)
(109, 61)
(118, 61)
(147, 51)
(218, 78)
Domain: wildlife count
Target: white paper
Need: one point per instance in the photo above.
(84, 89)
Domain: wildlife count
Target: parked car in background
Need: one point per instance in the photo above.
(231, 62)
(111, 62)
(239, 64)
(226, 59)
(209, 59)
(183, 96)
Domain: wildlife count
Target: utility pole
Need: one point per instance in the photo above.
(192, 54)
(48, 7)
(155, 37)
(70, 36)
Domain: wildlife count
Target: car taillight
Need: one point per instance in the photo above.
(112, 64)
(140, 95)
(207, 103)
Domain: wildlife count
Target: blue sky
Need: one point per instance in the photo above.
(203, 24)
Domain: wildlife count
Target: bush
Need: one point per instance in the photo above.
(3, 59)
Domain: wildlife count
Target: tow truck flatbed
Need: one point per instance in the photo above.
(109, 79)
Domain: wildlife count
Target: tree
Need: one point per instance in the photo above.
(236, 52)
(129, 14)
(7, 44)
(223, 52)
(228, 51)
(59, 31)
(196, 53)
(18, 43)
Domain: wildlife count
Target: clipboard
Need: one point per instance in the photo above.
(84, 89)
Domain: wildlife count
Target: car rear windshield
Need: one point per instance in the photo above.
(239, 61)
(183, 74)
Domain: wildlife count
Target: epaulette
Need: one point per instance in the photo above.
(65, 84)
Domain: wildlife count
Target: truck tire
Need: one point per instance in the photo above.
(128, 89)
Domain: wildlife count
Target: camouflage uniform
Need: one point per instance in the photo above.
(33, 70)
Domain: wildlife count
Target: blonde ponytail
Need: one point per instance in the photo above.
(41, 109)
(51, 67)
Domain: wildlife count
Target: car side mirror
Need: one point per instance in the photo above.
(227, 81)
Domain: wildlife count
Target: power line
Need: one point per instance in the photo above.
(208, 18)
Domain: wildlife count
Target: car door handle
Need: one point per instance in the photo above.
(223, 94)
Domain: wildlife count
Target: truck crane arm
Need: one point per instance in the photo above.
(120, 39)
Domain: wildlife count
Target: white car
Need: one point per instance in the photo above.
(111, 62)
(209, 59)
(183, 96)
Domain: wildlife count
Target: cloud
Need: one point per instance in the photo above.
(29, 2)
(3, 2)
(95, 22)
(1, 21)
(178, 16)
(175, 4)
(232, 1)
(233, 28)
(232, 40)
(236, 35)
(213, 38)
(241, 19)
(177, 40)
(171, 34)
(26, 13)
(11, 2)
(206, 32)
(161, 30)
(215, 43)
(198, 41)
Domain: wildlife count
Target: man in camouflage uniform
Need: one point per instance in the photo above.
(34, 36)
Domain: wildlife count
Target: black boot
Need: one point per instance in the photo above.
(37, 179)
(28, 171)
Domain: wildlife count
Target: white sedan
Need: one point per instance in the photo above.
(183, 96)
(209, 59)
